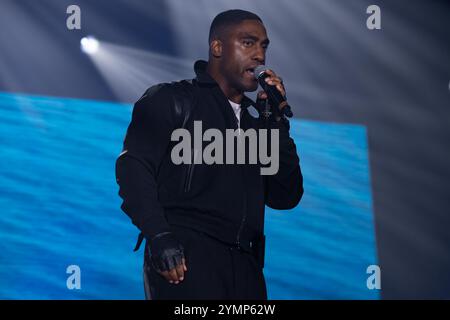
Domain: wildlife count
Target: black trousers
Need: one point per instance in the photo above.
(215, 271)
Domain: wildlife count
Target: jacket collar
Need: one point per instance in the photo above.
(204, 78)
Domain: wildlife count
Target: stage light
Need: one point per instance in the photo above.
(89, 45)
(130, 71)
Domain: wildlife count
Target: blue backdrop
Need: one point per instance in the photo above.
(60, 207)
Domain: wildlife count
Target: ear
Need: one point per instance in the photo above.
(216, 48)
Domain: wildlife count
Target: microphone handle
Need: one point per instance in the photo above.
(275, 97)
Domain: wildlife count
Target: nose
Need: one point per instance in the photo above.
(260, 55)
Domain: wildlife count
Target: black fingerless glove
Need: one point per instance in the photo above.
(165, 252)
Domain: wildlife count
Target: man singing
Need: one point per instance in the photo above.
(204, 223)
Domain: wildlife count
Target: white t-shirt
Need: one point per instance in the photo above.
(237, 111)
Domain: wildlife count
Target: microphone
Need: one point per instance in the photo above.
(275, 97)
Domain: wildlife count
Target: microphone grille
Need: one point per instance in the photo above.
(259, 70)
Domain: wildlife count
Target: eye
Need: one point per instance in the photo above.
(248, 43)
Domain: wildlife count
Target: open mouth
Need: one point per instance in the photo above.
(250, 72)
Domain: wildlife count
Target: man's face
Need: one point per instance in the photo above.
(243, 49)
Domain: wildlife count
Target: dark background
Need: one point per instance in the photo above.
(395, 81)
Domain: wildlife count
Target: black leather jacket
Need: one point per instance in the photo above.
(225, 201)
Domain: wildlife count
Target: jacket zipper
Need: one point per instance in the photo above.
(242, 222)
(238, 243)
(187, 184)
(190, 172)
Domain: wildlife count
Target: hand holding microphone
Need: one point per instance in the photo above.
(273, 88)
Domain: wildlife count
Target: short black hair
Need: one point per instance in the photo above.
(229, 18)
